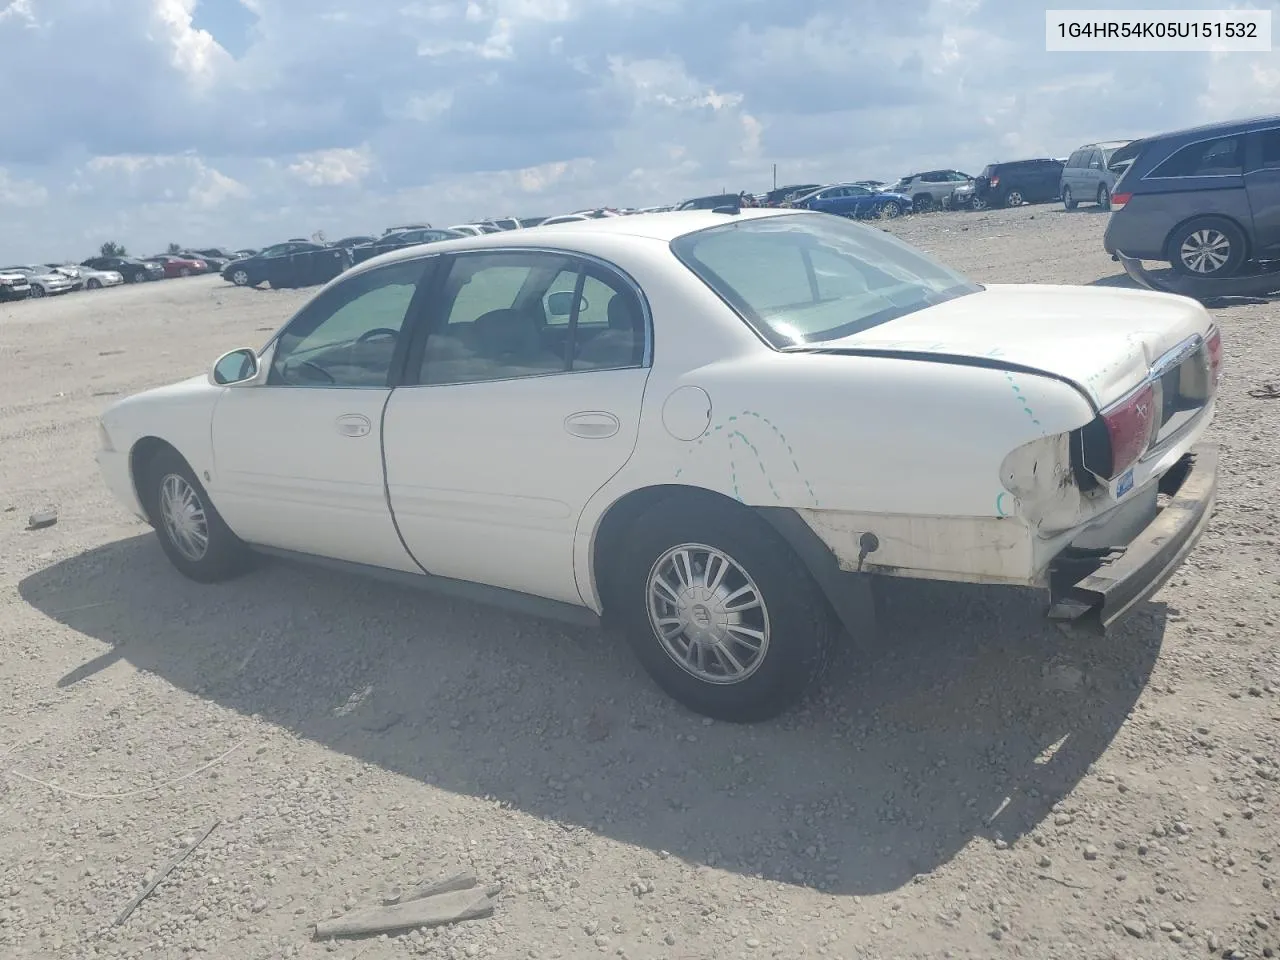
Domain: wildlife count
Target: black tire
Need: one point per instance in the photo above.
(922, 203)
(242, 278)
(1104, 197)
(224, 556)
(137, 276)
(37, 291)
(1220, 241)
(93, 284)
(184, 272)
(891, 210)
(1068, 201)
(800, 626)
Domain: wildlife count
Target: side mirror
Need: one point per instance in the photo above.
(238, 366)
(561, 304)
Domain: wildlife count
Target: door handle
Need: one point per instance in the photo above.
(592, 425)
(354, 425)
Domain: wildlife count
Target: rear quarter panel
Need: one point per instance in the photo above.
(1142, 228)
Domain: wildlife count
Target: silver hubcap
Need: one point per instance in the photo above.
(889, 210)
(708, 613)
(184, 519)
(1015, 199)
(240, 278)
(1205, 251)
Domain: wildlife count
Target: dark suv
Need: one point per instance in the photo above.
(1015, 183)
(1205, 200)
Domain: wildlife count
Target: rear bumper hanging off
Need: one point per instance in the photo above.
(1114, 585)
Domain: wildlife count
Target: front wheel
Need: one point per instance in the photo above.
(137, 276)
(184, 272)
(978, 203)
(240, 278)
(923, 203)
(93, 284)
(1104, 197)
(1209, 248)
(890, 210)
(192, 533)
(37, 291)
(720, 612)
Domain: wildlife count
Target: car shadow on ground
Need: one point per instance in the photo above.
(972, 720)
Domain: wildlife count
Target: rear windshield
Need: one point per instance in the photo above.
(810, 277)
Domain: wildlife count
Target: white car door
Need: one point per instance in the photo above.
(298, 456)
(523, 408)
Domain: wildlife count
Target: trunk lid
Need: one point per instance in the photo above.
(1104, 341)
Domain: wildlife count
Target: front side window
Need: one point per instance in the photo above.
(806, 278)
(1209, 158)
(347, 337)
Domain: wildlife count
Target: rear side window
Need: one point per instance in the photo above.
(1074, 159)
(1270, 159)
(1210, 158)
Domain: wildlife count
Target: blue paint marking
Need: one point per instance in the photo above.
(733, 436)
(999, 504)
(1125, 484)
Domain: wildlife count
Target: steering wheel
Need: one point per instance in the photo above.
(377, 332)
(325, 374)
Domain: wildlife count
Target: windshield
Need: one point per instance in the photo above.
(806, 278)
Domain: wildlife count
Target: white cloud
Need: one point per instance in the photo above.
(343, 114)
(333, 168)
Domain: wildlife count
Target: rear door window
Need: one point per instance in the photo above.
(1270, 158)
(1209, 158)
(1076, 159)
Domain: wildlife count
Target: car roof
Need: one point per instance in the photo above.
(1221, 127)
(576, 235)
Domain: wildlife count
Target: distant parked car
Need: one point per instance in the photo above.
(131, 268)
(396, 241)
(90, 278)
(14, 285)
(1206, 200)
(563, 218)
(777, 196)
(474, 229)
(504, 223)
(213, 263)
(855, 201)
(176, 266)
(45, 281)
(710, 202)
(350, 243)
(406, 226)
(1014, 183)
(71, 271)
(1087, 177)
(295, 263)
(247, 252)
(931, 189)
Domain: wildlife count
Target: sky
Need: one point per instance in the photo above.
(243, 122)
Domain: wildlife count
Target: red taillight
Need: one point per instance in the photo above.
(1118, 200)
(1116, 440)
(1213, 346)
(994, 181)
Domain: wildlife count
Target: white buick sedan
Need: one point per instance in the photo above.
(713, 429)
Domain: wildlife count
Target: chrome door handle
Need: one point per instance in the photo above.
(354, 425)
(592, 424)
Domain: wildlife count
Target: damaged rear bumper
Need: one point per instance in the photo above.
(1089, 591)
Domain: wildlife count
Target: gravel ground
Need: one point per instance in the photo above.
(981, 788)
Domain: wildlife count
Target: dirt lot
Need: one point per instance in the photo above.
(984, 788)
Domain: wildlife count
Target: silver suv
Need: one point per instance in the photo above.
(1086, 177)
(930, 189)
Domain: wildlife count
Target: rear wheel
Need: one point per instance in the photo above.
(1013, 198)
(922, 203)
(978, 203)
(1104, 197)
(720, 612)
(1068, 201)
(37, 291)
(1209, 248)
(191, 531)
(93, 284)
